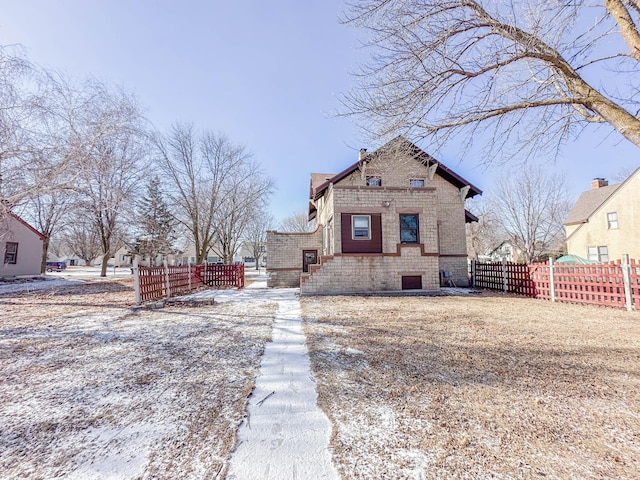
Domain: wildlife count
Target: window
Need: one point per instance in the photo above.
(409, 228)
(374, 181)
(11, 253)
(361, 227)
(612, 220)
(416, 182)
(599, 254)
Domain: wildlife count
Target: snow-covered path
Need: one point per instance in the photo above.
(285, 434)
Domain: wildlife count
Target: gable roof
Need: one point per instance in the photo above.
(412, 150)
(589, 202)
(23, 222)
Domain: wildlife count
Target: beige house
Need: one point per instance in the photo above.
(604, 224)
(394, 220)
(21, 247)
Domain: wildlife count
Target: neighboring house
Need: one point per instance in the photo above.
(394, 220)
(604, 224)
(21, 247)
(506, 251)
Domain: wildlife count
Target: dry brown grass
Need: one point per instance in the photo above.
(477, 387)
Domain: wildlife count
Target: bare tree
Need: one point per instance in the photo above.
(32, 129)
(522, 75)
(112, 143)
(298, 221)
(48, 215)
(200, 170)
(246, 194)
(255, 236)
(485, 234)
(81, 239)
(530, 206)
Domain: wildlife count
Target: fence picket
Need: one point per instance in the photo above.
(161, 282)
(594, 284)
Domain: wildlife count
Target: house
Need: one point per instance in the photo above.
(21, 247)
(394, 220)
(604, 223)
(506, 251)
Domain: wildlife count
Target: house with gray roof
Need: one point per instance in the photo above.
(604, 223)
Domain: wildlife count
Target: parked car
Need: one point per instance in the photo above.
(56, 266)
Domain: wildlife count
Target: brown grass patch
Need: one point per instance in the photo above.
(477, 387)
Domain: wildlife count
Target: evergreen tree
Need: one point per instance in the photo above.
(157, 224)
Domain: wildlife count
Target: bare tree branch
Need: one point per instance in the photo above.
(530, 73)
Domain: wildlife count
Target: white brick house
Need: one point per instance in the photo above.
(394, 220)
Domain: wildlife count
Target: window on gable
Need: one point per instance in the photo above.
(361, 227)
(612, 220)
(409, 228)
(374, 181)
(599, 254)
(416, 182)
(11, 253)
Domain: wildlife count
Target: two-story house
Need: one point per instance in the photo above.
(604, 223)
(394, 220)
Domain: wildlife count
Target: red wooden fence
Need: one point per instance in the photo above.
(595, 284)
(180, 280)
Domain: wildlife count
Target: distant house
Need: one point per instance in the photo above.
(604, 223)
(506, 251)
(21, 247)
(394, 220)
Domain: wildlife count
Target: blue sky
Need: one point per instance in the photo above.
(268, 74)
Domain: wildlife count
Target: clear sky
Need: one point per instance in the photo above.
(267, 73)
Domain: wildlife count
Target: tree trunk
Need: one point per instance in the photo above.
(45, 249)
(105, 260)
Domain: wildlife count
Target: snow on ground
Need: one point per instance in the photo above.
(91, 390)
(285, 434)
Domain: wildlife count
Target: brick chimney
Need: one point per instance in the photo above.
(598, 182)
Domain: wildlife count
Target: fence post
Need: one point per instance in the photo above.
(165, 264)
(136, 280)
(505, 281)
(189, 275)
(473, 274)
(626, 280)
(552, 279)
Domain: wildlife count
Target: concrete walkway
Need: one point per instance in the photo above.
(285, 434)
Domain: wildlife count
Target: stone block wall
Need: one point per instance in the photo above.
(284, 255)
(372, 273)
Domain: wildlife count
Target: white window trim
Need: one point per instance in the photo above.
(417, 180)
(353, 227)
(611, 222)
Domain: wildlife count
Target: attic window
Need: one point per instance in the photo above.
(416, 182)
(374, 181)
(612, 220)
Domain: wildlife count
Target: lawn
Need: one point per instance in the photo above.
(477, 386)
(90, 389)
